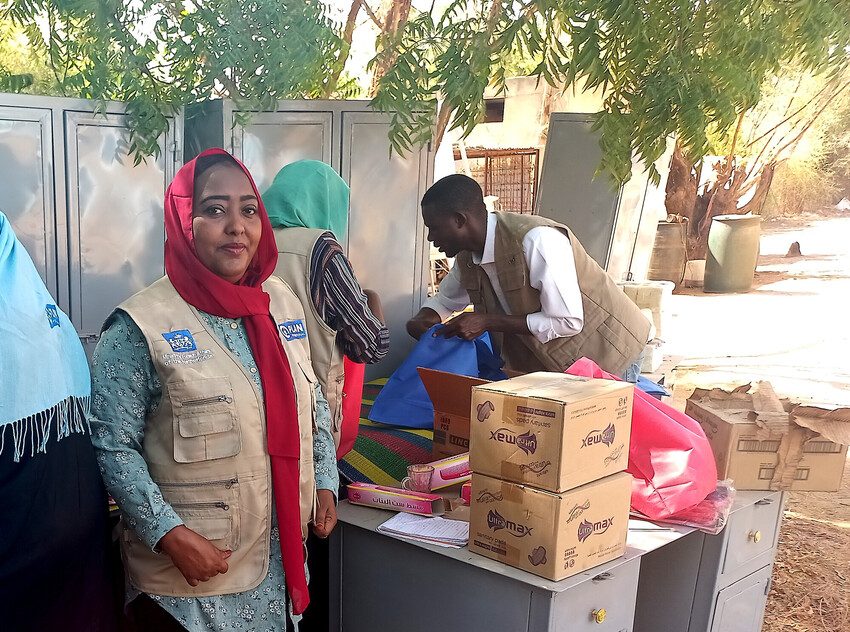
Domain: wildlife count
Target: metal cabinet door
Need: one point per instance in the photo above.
(740, 607)
(271, 140)
(115, 216)
(386, 235)
(569, 191)
(604, 604)
(26, 185)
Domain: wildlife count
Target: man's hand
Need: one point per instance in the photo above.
(467, 326)
(422, 322)
(325, 519)
(193, 555)
(470, 325)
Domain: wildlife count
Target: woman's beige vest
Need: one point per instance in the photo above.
(205, 445)
(614, 333)
(295, 251)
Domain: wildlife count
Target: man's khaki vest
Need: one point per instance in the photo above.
(614, 333)
(295, 251)
(205, 445)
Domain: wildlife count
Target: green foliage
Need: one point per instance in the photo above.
(161, 55)
(22, 68)
(684, 67)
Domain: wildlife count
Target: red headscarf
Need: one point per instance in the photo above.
(208, 292)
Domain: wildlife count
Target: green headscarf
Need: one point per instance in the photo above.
(308, 194)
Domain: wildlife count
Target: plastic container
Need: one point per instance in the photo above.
(733, 251)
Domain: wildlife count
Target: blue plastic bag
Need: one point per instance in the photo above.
(403, 400)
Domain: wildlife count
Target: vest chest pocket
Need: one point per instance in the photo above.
(471, 282)
(205, 421)
(210, 508)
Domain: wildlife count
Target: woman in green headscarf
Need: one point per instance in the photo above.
(308, 207)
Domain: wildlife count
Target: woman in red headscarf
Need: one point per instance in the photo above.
(211, 433)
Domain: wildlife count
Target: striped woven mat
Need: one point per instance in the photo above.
(382, 453)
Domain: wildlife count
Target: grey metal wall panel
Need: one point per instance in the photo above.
(615, 224)
(272, 140)
(204, 128)
(386, 235)
(569, 193)
(115, 214)
(26, 185)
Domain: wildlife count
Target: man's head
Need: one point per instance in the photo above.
(454, 213)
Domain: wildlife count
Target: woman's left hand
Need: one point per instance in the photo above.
(325, 519)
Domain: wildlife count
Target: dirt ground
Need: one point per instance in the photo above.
(793, 330)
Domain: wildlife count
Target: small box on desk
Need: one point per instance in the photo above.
(451, 396)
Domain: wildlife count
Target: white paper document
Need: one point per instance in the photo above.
(439, 531)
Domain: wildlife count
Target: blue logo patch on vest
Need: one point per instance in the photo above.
(180, 340)
(293, 330)
(52, 315)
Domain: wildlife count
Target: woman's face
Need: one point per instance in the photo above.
(226, 221)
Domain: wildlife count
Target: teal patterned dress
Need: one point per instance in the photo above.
(125, 389)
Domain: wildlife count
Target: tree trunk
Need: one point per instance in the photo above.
(681, 190)
(722, 199)
(757, 202)
(393, 17)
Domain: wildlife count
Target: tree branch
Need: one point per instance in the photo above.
(347, 38)
(371, 15)
(811, 121)
(790, 116)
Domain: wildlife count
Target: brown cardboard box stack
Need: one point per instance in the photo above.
(547, 451)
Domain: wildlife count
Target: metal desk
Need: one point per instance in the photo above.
(384, 584)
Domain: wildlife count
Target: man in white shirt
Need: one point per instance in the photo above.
(533, 287)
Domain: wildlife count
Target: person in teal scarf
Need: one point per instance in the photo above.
(53, 550)
(308, 207)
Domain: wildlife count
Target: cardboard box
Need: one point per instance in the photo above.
(552, 535)
(551, 430)
(764, 443)
(396, 499)
(451, 395)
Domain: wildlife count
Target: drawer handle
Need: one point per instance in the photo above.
(599, 615)
(755, 536)
(602, 577)
(764, 501)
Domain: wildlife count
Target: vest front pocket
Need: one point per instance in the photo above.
(306, 405)
(205, 422)
(209, 508)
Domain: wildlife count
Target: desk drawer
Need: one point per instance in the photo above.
(604, 604)
(752, 531)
